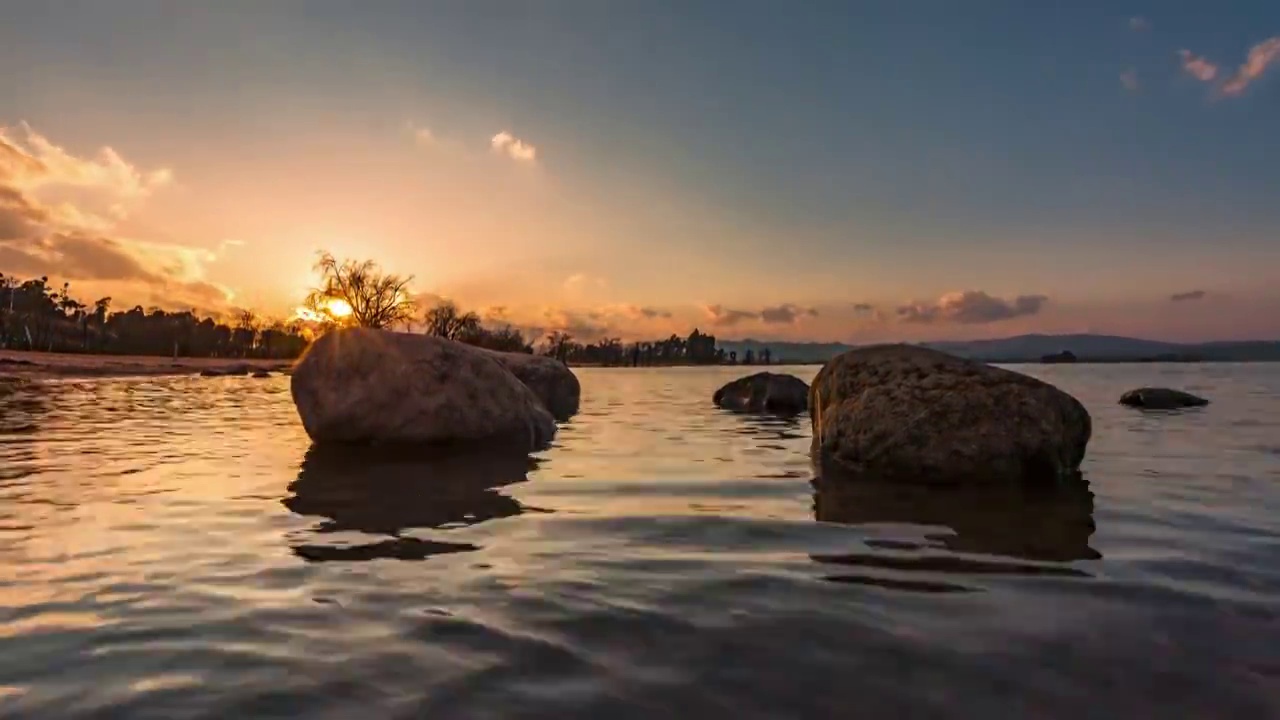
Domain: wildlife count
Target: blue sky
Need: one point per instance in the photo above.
(693, 156)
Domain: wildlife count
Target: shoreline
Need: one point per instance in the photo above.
(27, 365)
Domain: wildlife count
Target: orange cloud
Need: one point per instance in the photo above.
(1197, 66)
(1260, 57)
(971, 307)
(67, 241)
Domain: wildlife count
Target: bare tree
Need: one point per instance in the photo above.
(447, 321)
(558, 345)
(376, 300)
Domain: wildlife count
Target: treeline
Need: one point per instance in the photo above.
(446, 320)
(697, 349)
(37, 316)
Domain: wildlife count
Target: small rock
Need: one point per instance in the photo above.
(764, 392)
(551, 380)
(1161, 399)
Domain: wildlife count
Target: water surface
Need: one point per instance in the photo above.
(173, 548)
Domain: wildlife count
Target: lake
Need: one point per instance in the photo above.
(171, 548)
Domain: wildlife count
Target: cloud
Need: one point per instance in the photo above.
(579, 282)
(19, 216)
(66, 241)
(1260, 57)
(1189, 295)
(422, 136)
(513, 147)
(786, 313)
(727, 317)
(1198, 67)
(634, 312)
(1137, 23)
(1129, 80)
(971, 307)
(28, 160)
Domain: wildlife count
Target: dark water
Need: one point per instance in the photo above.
(169, 548)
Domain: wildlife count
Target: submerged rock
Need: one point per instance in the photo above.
(764, 392)
(551, 380)
(1161, 399)
(228, 371)
(908, 414)
(372, 386)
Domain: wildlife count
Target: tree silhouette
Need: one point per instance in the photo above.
(377, 300)
(34, 316)
(446, 321)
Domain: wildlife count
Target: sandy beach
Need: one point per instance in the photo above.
(37, 365)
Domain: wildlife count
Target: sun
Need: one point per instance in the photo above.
(338, 308)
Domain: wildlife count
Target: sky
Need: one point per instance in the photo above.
(830, 171)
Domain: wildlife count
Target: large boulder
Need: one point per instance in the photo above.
(551, 380)
(902, 413)
(764, 392)
(372, 386)
(1161, 399)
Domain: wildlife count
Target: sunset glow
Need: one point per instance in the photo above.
(338, 308)
(547, 169)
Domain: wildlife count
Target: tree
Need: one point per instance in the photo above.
(559, 344)
(446, 321)
(376, 300)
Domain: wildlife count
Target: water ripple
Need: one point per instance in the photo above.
(175, 549)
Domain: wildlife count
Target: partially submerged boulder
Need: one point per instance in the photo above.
(1151, 398)
(764, 392)
(902, 413)
(228, 371)
(551, 380)
(372, 386)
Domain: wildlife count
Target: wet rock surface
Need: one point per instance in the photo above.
(764, 392)
(551, 380)
(371, 386)
(908, 414)
(1154, 398)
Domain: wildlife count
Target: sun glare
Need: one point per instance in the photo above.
(338, 308)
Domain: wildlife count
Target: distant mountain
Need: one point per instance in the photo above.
(1031, 348)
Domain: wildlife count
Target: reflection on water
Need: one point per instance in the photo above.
(1051, 524)
(1045, 524)
(383, 491)
(174, 548)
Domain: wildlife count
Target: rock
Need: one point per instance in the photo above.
(1066, 356)
(228, 371)
(551, 380)
(262, 374)
(371, 386)
(908, 414)
(1161, 399)
(764, 392)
